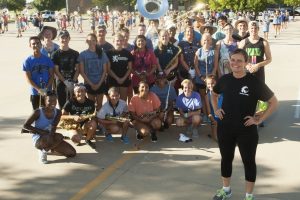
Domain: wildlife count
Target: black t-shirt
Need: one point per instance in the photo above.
(166, 55)
(106, 46)
(240, 97)
(66, 61)
(75, 108)
(119, 61)
(188, 51)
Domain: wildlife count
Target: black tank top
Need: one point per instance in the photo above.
(256, 54)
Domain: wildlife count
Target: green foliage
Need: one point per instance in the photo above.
(243, 5)
(49, 4)
(15, 5)
(292, 2)
(119, 5)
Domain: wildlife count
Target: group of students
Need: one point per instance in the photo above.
(211, 74)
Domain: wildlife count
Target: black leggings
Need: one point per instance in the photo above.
(246, 140)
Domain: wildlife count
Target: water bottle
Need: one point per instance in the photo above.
(192, 72)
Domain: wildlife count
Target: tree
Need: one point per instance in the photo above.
(49, 4)
(241, 5)
(292, 2)
(119, 5)
(15, 5)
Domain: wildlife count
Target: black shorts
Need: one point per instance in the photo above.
(35, 101)
(113, 83)
(101, 90)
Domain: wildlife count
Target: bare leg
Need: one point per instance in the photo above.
(65, 149)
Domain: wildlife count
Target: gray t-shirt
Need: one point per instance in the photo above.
(107, 109)
(93, 65)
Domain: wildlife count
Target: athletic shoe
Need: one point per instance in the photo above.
(153, 136)
(184, 138)
(138, 136)
(109, 138)
(91, 144)
(249, 198)
(195, 133)
(43, 156)
(125, 139)
(222, 195)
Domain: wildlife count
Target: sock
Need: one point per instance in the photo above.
(249, 195)
(226, 189)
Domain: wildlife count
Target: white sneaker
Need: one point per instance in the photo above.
(43, 156)
(184, 138)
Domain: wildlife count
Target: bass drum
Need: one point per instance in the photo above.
(153, 9)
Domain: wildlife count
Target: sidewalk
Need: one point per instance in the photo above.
(166, 170)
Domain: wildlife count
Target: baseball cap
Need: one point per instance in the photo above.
(102, 26)
(79, 86)
(64, 33)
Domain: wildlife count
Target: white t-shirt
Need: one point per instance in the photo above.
(107, 109)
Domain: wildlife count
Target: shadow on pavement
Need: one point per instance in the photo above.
(282, 125)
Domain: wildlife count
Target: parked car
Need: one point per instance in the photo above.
(48, 15)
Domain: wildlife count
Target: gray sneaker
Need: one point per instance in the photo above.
(195, 133)
(222, 195)
(43, 157)
(189, 130)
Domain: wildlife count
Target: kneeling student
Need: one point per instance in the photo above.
(189, 106)
(45, 138)
(111, 116)
(78, 112)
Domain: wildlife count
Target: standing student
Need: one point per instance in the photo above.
(39, 72)
(66, 68)
(93, 64)
(119, 67)
(238, 125)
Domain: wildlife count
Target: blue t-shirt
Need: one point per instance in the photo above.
(162, 94)
(197, 36)
(191, 103)
(93, 65)
(220, 100)
(39, 70)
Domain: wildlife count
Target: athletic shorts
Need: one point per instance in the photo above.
(113, 83)
(101, 90)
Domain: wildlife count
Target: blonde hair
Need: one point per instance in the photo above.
(119, 36)
(160, 45)
(187, 81)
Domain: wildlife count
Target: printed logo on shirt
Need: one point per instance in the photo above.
(244, 91)
(170, 51)
(118, 58)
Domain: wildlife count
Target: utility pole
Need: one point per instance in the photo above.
(67, 6)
